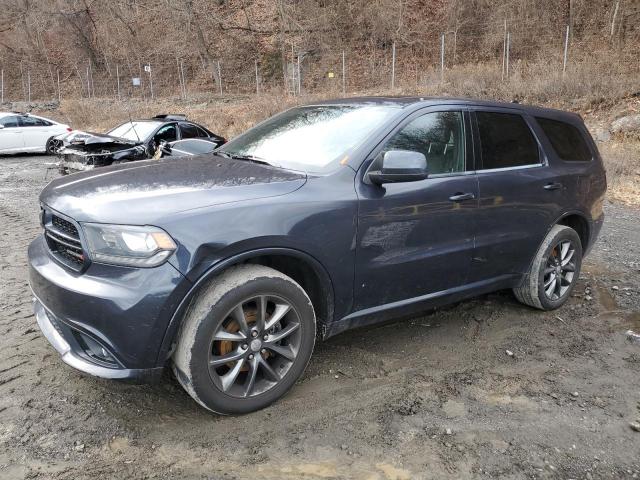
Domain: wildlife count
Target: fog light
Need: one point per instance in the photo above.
(94, 350)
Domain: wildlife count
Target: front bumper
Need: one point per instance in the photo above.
(124, 311)
(60, 336)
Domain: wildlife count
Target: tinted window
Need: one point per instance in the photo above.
(506, 141)
(33, 122)
(10, 121)
(168, 133)
(439, 136)
(566, 140)
(188, 130)
(202, 133)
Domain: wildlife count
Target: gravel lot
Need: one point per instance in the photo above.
(427, 397)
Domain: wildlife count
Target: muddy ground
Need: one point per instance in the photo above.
(428, 397)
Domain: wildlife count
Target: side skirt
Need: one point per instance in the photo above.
(401, 308)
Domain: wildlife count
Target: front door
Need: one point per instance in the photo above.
(11, 138)
(417, 238)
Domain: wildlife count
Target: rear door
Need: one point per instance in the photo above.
(416, 238)
(11, 138)
(520, 195)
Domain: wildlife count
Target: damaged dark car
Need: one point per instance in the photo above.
(131, 141)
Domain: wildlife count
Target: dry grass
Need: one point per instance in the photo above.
(622, 161)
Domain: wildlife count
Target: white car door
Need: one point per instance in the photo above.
(37, 131)
(11, 138)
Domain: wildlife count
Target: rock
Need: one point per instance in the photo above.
(626, 125)
(575, 394)
(448, 431)
(509, 352)
(343, 446)
(615, 287)
(588, 298)
(635, 426)
(601, 135)
(79, 447)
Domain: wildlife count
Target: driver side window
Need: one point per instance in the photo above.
(437, 135)
(168, 133)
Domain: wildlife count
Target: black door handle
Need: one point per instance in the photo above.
(553, 186)
(459, 197)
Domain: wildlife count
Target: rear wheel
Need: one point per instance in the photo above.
(245, 340)
(554, 271)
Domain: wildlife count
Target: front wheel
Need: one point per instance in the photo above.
(245, 340)
(554, 270)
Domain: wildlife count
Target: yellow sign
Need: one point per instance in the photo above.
(331, 75)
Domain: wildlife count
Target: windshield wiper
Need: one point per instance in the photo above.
(246, 158)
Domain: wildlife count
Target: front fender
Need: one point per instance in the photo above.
(215, 269)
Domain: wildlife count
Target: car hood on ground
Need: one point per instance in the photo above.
(146, 192)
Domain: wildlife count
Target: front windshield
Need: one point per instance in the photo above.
(136, 131)
(310, 138)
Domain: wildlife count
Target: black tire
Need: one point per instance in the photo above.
(51, 146)
(538, 288)
(212, 316)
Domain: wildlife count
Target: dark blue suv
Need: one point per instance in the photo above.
(323, 218)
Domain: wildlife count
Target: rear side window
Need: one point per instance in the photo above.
(189, 131)
(34, 122)
(566, 140)
(506, 141)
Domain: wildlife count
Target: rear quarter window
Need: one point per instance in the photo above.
(506, 141)
(567, 141)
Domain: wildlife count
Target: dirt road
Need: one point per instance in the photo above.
(429, 397)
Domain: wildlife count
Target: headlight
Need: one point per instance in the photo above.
(126, 245)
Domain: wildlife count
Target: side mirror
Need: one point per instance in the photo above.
(400, 166)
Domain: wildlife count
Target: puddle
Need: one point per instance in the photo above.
(606, 299)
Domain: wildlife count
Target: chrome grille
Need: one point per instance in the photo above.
(64, 242)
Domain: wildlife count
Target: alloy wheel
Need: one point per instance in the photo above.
(254, 346)
(559, 270)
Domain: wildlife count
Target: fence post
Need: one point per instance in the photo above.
(118, 81)
(393, 66)
(508, 53)
(184, 79)
(219, 77)
(257, 78)
(344, 89)
(566, 52)
(442, 58)
(504, 49)
(299, 83)
(150, 81)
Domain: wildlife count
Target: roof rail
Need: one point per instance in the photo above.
(170, 116)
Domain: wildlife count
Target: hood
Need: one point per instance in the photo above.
(91, 141)
(147, 192)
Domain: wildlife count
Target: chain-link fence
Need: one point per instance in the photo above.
(503, 52)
